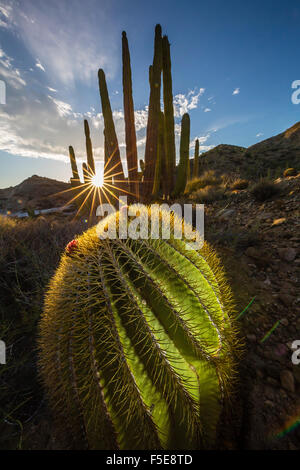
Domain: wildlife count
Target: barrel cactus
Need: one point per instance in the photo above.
(138, 344)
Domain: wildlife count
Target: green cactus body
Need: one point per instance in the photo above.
(73, 164)
(137, 344)
(115, 165)
(196, 159)
(153, 114)
(85, 173)
(131, 149)
(160, 160)
(182, 172)
(169, 116)
(89, 148)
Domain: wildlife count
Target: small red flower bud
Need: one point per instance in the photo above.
(71, 247)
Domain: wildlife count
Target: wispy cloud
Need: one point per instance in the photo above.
(40, 66)
(88, 38)
(207, 110)
(236, 91)
(260, 134)
(9, 72)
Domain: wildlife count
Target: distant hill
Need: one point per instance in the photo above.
(271, 156)
(35, 192)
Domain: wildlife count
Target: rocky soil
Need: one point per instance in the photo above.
(259, 245)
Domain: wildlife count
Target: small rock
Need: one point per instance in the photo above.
(287, 254)
(279, 221)
(287, 380)
(251, 338)
(286, 299)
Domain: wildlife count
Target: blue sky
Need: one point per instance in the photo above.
(233, 65)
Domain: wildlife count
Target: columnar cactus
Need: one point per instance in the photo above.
(89, 148)
(169, 116)
(130, 134)
(110, 132)
(85, 172)
(161, 157)
(153, 114)
(137, 342)
(196, 159)
(182, 171)
(73, 164)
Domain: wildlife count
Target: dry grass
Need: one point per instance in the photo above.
(264, 189)
(209, 194)
(239, 184)
(29, 254)
(207, 179)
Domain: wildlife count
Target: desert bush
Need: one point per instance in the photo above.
(207, 179)
(209, 194)
(29, 254)
(240, 184)
(290, 172)
(264, 189)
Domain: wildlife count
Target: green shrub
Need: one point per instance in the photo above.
(209, 194)
(264, 189)
(240, 184)
(207, 179)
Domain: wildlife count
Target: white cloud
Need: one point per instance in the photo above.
(52, 89)
(63, 109)
(40, 66)
(236, 91)
(207, 110)
(184, 103)
(70, 50)
(9, 73)
(259, 134)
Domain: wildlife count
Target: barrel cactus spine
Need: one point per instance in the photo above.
(137, 342)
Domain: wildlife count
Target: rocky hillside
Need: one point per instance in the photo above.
(269, 157)
(35, 192)
(259, 244)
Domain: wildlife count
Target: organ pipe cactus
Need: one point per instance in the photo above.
(182, 171)
(110, 133)
(89, 148)
(137, 342)
(73, 164)
(169, 125)
(153, 114)
(130, 134)
(196, 159)
(160, 159)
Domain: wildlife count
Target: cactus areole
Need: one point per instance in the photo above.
(137, 342)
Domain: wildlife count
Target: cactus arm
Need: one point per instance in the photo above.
(89, 148)
(184, 155)
(73, 164)
(130, 134)
(196, 159)
(153, 115)
(169, 124)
